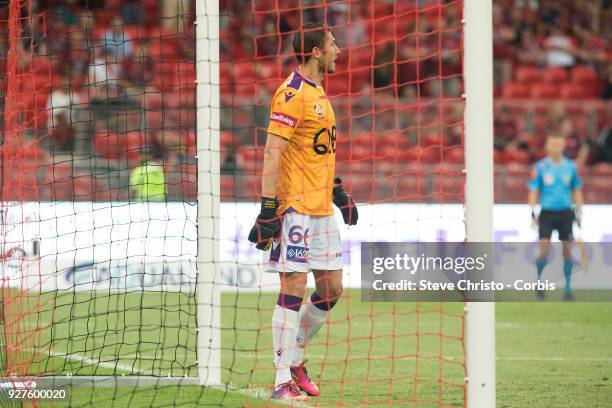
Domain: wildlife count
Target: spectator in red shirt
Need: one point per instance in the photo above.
(505, 128)
(268, 41)
(592, 49)
(504, 34)
(63, 107)
(140, 67)
(78, 53)
(529, 49)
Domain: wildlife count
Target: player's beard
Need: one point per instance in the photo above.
(326, 67)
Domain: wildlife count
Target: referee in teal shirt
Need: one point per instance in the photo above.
(554, 184)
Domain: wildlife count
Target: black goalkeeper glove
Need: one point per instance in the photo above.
(267, 225)
(345, 203)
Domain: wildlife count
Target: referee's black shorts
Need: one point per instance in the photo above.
(560, 220)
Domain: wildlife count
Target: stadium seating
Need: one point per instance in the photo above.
(110, 145)
(251, 188)
(545, 91)
(579, 83)
(34, 106)
(169, 100)
(554, 75)
(84, 188)
(40, 65)
(252, 158)
(514, 90)
(583, 74)
(571, 90)
(134, 142)
(188, 185)
(605, 169)
(527, 74)
(432, 139)
(454, 155)
(517, 156)
(38, 83)
(338, 84)
(228, 187)
(394, 139)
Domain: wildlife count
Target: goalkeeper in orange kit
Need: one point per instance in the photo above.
(296, 224)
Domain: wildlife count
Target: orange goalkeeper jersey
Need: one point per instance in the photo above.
(302, 114)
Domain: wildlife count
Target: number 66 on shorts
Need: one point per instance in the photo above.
(306, 242)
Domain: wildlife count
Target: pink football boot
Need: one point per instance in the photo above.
(288, 392)
(302, 380)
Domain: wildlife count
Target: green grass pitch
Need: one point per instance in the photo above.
(548, 354)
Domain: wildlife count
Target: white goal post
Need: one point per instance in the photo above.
(478, 122)
(208, 107)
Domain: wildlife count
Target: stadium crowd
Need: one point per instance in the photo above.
(101, 83)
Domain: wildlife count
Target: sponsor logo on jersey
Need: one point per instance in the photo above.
(319, 111)
(283, 119)
(279, 352)
(297, 253)
(549, 179)
(289, 95)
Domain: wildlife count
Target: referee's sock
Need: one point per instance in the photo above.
(567, 272)
(540, 264)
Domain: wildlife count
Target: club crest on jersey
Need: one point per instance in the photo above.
(319, 111)
(289, 95)
(283, 119)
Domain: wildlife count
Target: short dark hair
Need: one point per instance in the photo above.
(310, 36)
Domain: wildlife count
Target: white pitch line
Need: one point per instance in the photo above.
(93, 361)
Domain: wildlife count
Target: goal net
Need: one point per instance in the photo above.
(107, 209)
(98, 197)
